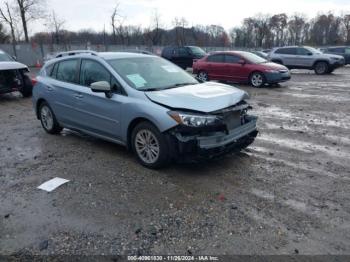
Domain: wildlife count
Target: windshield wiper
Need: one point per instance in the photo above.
(179, 85)
(169, 87)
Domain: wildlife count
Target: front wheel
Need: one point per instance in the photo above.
(321, 68)
(48, 119)
(203, 76)
(150, 146)
(257, 79)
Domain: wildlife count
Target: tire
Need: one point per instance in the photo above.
(150, 146)
(27, 88)
(257, 79)
(321, 68)
(202, 75)
(48, 119)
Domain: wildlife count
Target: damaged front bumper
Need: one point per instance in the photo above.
(215, 144)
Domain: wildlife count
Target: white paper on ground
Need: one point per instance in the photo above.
(53, 184)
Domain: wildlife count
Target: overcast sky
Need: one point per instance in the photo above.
(83, 14)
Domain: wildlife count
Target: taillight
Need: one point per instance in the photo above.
(34, 81)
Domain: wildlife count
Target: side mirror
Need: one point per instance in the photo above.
(101, 86)
(241, 62)
(310, 53)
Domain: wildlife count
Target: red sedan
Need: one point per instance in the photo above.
(240, 67)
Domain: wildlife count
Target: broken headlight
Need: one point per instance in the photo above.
(194, 120)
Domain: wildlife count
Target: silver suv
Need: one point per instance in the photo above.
(305, 57)
(144, 102)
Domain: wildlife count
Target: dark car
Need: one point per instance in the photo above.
(339, 50)
(13, 76)
(240, 67)
(183, 56)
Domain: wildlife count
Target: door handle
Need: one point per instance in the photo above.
(78, 96)
(49, 88)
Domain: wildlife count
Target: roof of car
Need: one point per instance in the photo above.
(120, 55)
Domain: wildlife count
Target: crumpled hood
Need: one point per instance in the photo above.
(11, 65)
(206, 97)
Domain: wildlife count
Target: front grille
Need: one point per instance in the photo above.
(232, 119)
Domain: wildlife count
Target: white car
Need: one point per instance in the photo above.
(13, 76)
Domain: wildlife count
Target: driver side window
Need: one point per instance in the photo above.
(92, 71)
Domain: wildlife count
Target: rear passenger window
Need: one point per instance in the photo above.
(303, 51)
(91, 72)
(67, 71)
(231, 59)
(286, 51)
(216, 58)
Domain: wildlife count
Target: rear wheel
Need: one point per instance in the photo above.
(27, 87)
(48, 119)
(150, 146)
(257, 79)
(203, 76)
(321, 68)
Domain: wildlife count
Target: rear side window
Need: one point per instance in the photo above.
(167, 51)
(347, 51)
(232, 59)
(91, 72)
(216, 58)
(286, 51)
(303, 51)
(182, 51)
(67, 71)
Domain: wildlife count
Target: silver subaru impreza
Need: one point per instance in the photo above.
(156, 109)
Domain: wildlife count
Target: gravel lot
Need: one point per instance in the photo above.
(286, 194)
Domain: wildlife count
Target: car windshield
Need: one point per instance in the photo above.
(253, 58)
(5, 57)
(197, 50)
(313, 50)
(151, 73)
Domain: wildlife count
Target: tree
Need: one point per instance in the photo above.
(8, 17)
(155, 32)
(55, 25)
(4, 37)
(295, 26)
(117, 22)
(346, 23)
(29, 10)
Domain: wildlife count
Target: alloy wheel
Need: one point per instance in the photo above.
(46, 117)
(147, 146)
(257, 80)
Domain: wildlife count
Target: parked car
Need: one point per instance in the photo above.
(339, 50)
(13, 76)
(305, 57)
(182, 56)
(241, 67)
(145, 103)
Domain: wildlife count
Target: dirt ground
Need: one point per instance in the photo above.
(286, 194)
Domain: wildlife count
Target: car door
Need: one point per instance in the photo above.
(304, 57)
(97, 113)
(61, 90)
(182, 57)
(216, 67)
(236, 71)
(288, 55)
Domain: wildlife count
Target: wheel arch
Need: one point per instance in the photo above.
(131, 127)
(37, 106)
(320, 60)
